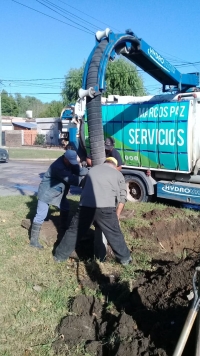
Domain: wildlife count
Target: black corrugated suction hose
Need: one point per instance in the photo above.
(94, 113)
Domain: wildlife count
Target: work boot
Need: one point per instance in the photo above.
(126, 262)
(63, 220)
(35, 231)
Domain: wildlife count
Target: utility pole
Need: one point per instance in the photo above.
(0, 122)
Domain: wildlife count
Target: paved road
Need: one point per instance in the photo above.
(23, 177)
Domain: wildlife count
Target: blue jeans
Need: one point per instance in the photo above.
(42, 210)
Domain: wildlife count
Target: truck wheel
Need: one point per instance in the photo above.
(136, 191)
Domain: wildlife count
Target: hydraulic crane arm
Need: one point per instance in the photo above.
(141, 54)
(137, 51)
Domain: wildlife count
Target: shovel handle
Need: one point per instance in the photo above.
(190, 318)
(186, 329)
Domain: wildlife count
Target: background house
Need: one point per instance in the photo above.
(18, 131)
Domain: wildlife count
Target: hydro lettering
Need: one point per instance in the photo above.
(172, 188)
(156, 55)
(169, 137)
(181, 190)
(160, 60)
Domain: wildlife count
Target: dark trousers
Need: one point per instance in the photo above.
(107, 220)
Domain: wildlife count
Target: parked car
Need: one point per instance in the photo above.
(4, 156)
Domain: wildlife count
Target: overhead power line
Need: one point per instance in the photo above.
(84, 29)
(73, 15)
(48, 7)
(80, 75)
(54, 18)
(32, 93)
(24, 80)
(75, 8)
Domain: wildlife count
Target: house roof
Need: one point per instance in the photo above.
(27, 125)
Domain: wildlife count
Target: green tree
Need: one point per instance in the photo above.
(29, 103)
(122, 78)
(72, 83)
(8, 104)
(53, 109)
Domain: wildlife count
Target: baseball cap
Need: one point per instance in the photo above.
(112, 159)
(109, 143)
(71, 156)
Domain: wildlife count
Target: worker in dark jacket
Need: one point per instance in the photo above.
(62, 173)
(102, 200)
(110, 151)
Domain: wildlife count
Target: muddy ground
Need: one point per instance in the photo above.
(143, 316)
(145, 320)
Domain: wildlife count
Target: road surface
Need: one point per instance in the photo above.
(23, 177)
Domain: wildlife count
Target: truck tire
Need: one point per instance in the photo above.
(136, 190)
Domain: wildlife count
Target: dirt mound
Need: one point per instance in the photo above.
(102, 332)
(145, 321)
(49, 230)
(172, 229)
(159, 214)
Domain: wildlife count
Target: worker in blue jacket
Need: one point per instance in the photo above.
(62, 173)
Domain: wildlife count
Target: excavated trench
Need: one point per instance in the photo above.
(143, 316)
(147, 318)
(172, 228)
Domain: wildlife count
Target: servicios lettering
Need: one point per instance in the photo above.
(156, 136)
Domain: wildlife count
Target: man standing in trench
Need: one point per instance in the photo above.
(62, 173)
(102, 200)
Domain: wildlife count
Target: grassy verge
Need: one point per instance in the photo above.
(35, 291)
(37, 153)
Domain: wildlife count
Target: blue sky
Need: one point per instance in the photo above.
(34, 46)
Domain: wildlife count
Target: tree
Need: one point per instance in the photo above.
(73, 82)
(9, 105)
(122, 78)
(29, 103)
(53, 109)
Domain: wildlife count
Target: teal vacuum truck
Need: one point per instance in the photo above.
(158, 137)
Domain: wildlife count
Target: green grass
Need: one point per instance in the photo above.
(28, 318)
(37, 153)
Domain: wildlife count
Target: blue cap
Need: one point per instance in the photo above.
(71, 155)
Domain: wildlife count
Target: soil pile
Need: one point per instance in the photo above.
(171, 228)
(144, 321)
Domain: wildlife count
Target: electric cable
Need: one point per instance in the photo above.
(66, 17)
(68, 12)
(88, 15)
(54, 18)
